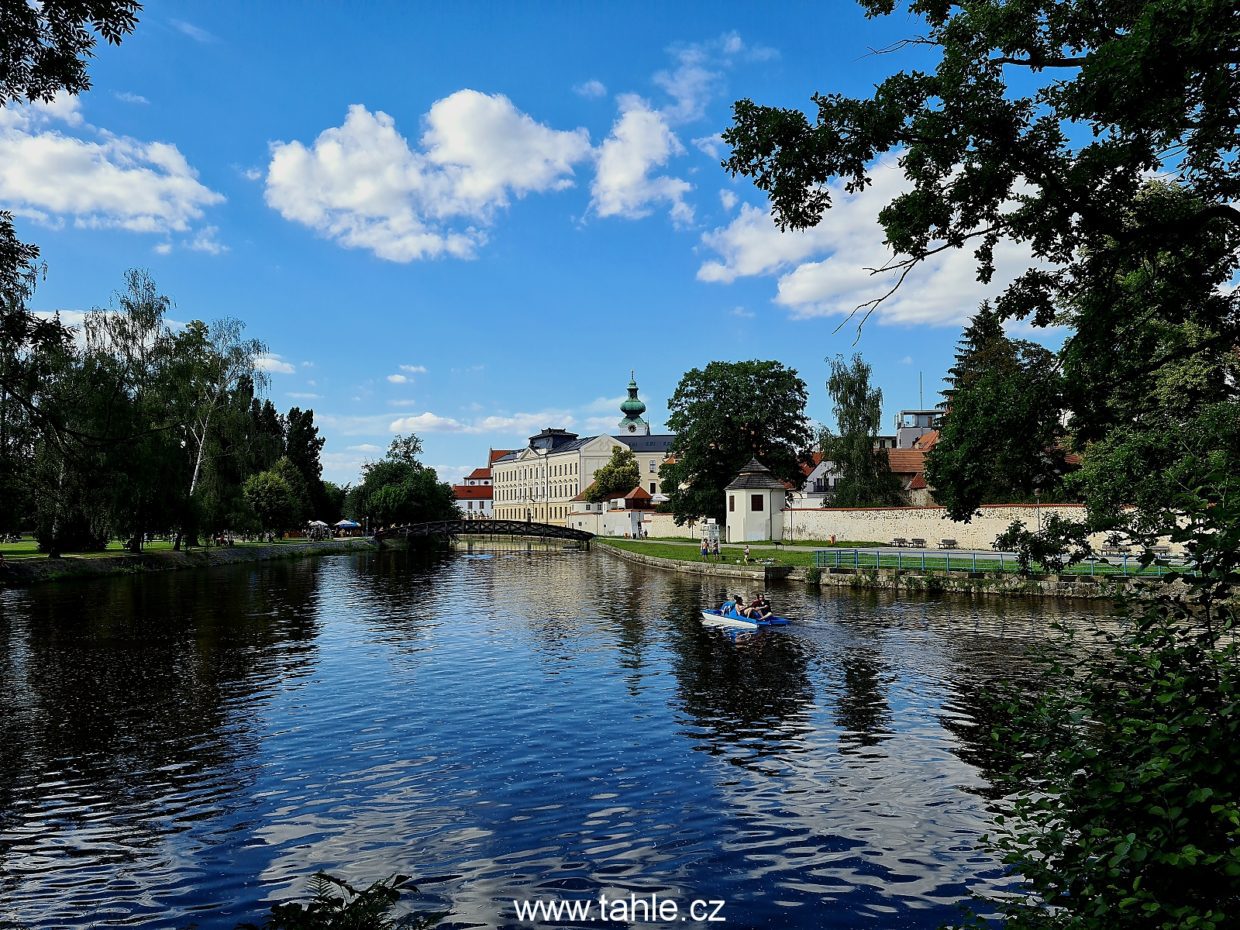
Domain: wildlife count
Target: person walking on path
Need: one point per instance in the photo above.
(746, 553)
(714, 549)
(705, 548)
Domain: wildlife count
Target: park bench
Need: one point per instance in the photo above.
(899, 542)
(917, 542)
(948, 544)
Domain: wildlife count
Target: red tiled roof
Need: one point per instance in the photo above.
(584, 495)
(918, 483)
(479, 473)
(808, 467)
(499, 454)
(926, 441)
(906, 461)
(472, 492)
(638, 493)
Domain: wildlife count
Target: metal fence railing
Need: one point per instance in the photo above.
(946, 560)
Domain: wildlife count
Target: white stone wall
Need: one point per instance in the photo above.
(883, 524)
(664, 525)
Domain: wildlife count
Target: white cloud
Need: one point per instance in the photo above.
(728, 199)
(428, 423)
(252, 174)
(197, 33)
(697, 76)
(710, 146)
(453, 474)
(640, 141)
(591, 89)
(126, 97)
(488, 148)
(362, 184)
(741, 312)
(844, 246)
(414, 369)
(273, 363)
(365, 447)
(517, 424)
(205, 241)
(102, 182)
(301, 395)
(398, 379)
(523, 424)
(402, 402)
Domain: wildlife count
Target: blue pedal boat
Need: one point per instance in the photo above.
(731, 618)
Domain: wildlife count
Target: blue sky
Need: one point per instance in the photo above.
(470, 221)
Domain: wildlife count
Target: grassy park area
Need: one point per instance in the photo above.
(854, 556)
(27, 548)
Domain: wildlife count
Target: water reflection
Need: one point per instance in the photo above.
(174, 748)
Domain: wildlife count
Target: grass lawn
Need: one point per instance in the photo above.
(29, 549)
(860, 559)
(729, 554)
(799, 543)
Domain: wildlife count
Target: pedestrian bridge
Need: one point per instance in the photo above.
(483, 528)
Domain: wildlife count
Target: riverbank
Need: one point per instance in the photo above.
(677, 559)
(24, 572)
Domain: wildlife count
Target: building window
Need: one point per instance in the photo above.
(731, 503)
(652, 488)
(652, 467)
(755, 502)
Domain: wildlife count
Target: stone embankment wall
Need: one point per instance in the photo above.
(21, 572)
(977, 584)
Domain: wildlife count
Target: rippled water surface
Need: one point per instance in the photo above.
(180, 750)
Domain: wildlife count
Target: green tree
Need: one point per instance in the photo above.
(299, 490)
(723, 416)
(617, 478)
(1040, 123)
(46, 45)
(865, 477)
(399, 489)
(1036, 123)
(1001, 438)
(272, 500)
(45, 50)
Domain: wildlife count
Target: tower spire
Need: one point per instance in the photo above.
(633, 408)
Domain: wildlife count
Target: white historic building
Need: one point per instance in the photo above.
(539, 482)
(755, 505)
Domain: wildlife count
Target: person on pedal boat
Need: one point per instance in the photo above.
(759, 608)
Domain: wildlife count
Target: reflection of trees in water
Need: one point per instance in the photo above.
(862, 710)
(1002, 650)
(133, 690)
(753, 689)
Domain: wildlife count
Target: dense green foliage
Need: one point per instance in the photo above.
(140, 428)
(617, 478)
(993, 131)
(1041, 123)
(399, 489)
(46, 45)
(865, 477)
(723, 416)
(1126, 788)
(1000, 438)
(337, 905)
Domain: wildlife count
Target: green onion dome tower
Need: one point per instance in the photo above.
(633, 408)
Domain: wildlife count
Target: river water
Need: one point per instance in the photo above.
(181, 750)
